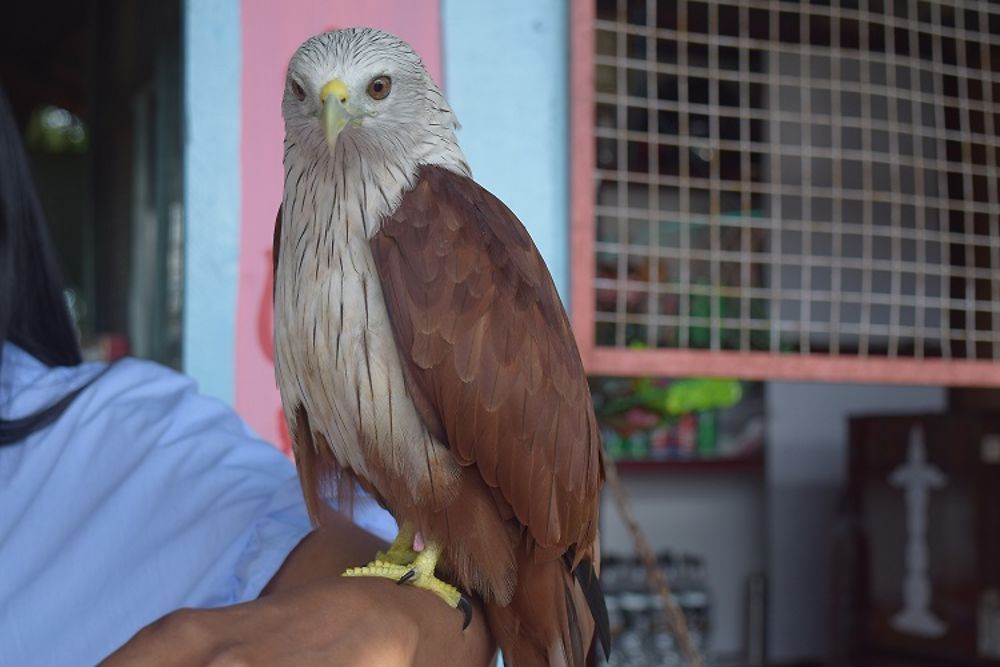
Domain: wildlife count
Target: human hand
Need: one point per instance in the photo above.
(309, 615)
(336, 621)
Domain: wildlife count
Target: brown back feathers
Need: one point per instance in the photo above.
(488, 347)
(493, 368)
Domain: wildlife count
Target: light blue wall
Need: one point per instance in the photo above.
(211, 191)
(506, 76)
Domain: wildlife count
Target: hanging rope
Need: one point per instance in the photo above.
(673, 614)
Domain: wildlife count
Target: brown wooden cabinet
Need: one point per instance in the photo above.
(927, 495)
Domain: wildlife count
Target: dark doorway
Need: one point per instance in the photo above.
(96, 87)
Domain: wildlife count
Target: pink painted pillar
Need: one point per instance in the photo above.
(272, 31)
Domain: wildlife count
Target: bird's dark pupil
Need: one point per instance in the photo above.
(378, 86)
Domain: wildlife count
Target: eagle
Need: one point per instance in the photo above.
(422, 353)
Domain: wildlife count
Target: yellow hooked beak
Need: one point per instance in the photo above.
(338, 113)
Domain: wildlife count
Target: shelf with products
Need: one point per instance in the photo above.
(635, 610)
(691, 456)
(684, 425)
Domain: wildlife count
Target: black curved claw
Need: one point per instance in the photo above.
(406, 577)
(466, 606)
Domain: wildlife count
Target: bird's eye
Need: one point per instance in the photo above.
(378, 88)
(298, 90)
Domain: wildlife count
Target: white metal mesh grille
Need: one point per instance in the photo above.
(799, 177)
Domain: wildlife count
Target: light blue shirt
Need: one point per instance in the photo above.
(142, 498)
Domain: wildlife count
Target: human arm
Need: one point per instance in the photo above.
(308, 614)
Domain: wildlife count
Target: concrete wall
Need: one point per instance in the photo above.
(507, 77)
(717, 515)
(212, 65)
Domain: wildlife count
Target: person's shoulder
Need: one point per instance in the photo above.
(144, 400)
(131, 371)
(130, 399)
(155, 389)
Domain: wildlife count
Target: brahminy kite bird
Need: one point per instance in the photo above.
(422, 352)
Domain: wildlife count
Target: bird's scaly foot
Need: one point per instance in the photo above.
(401, 551)
(396, 555)
(418, 573)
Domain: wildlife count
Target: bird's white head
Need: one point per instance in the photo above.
(362, 91)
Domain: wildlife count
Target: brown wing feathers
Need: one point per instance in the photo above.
(493, 367)
(480, 324)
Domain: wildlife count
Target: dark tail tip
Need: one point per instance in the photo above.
(592, 592)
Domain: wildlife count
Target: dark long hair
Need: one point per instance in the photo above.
(33, 311)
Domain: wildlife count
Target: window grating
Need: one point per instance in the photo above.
(799, 178)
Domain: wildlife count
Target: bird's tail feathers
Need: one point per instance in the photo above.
(590, 585)
(549, 622)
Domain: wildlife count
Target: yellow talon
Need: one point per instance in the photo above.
(419, 573)
(378, 568)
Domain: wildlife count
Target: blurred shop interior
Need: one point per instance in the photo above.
(785, 222)
(96, 87)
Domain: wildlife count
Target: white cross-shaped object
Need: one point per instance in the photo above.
(917, 477)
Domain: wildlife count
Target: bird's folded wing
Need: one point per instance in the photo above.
(490, 357)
